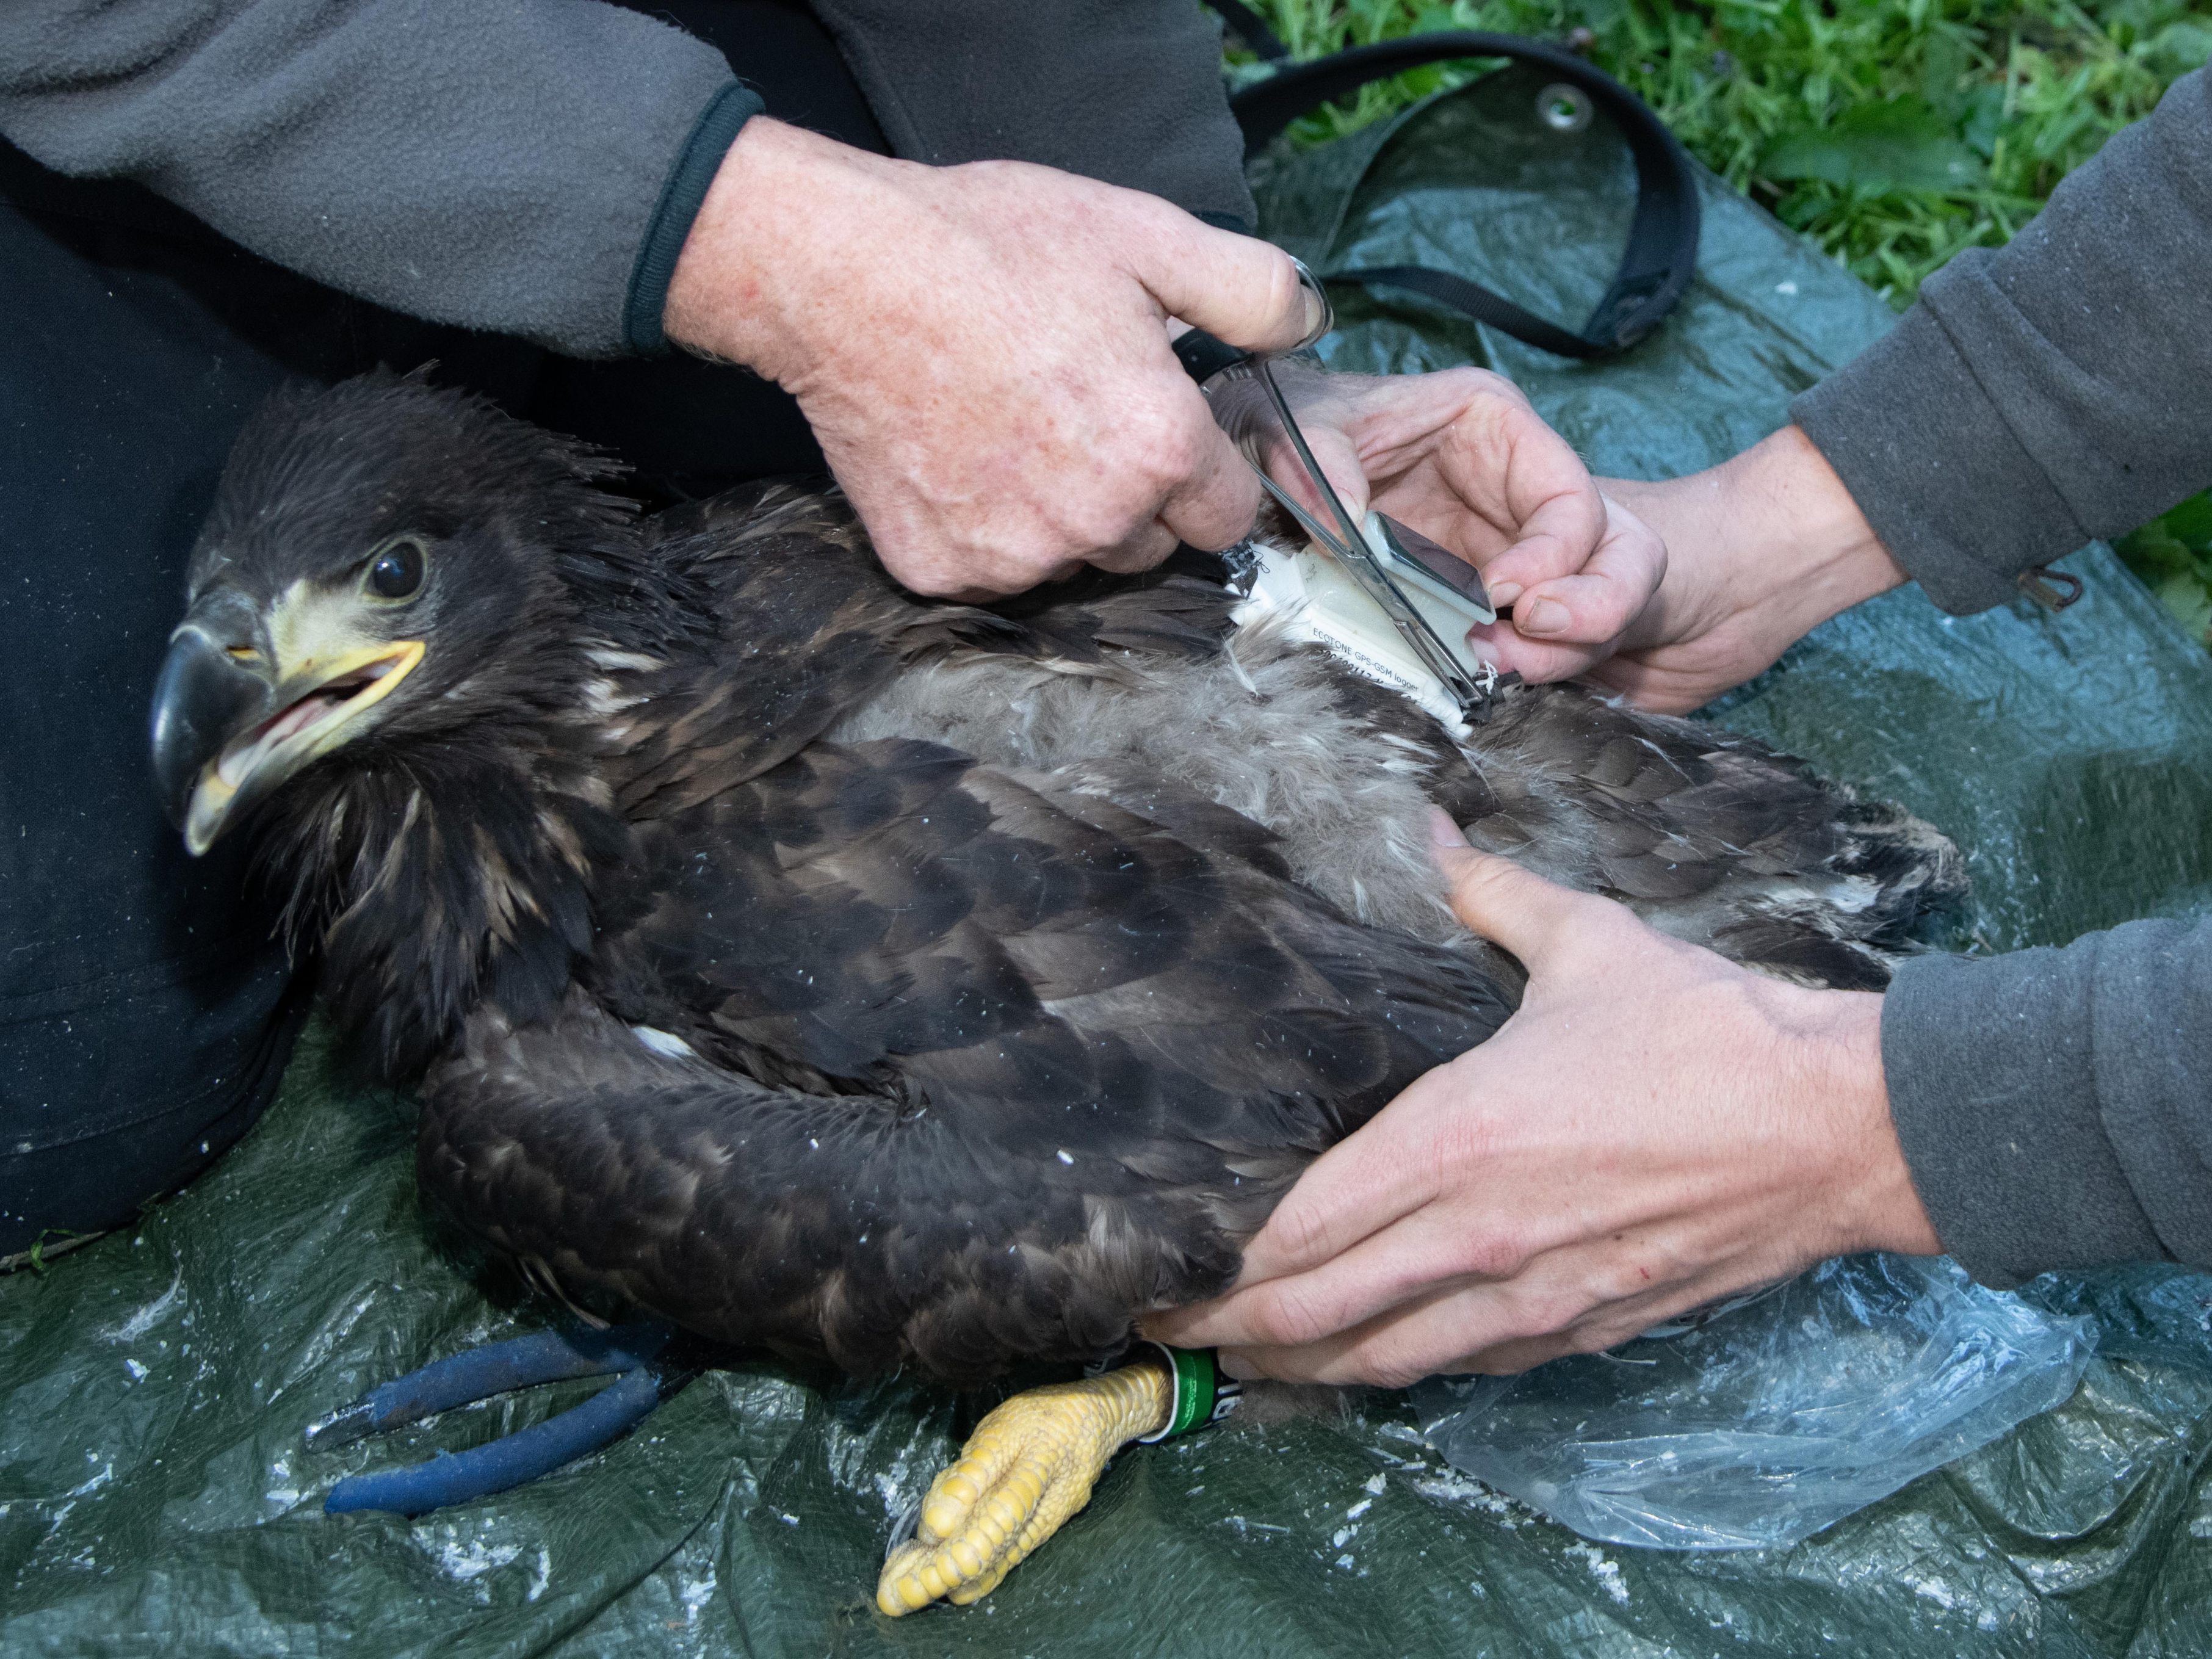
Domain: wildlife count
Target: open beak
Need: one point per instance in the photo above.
(231, 721)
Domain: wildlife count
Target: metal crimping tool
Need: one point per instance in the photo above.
(1430, 595)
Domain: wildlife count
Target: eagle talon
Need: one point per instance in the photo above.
(904, 1524)
(1029, 1465)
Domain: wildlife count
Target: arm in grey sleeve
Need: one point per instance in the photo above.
(2055, 1106)
(525, 166)
(2051, 392)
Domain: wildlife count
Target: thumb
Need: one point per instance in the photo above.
(1237, 288)
(1507, 905)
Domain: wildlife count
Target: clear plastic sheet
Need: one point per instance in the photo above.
(1768, 1423)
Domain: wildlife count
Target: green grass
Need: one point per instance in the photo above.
(1892, 132)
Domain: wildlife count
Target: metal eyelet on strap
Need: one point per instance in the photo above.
(2054, 590)
(1564, 108)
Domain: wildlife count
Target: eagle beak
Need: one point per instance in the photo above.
(231, 719)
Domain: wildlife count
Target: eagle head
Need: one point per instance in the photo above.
(385, 564)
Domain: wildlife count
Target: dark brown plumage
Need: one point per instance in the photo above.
(908, 983)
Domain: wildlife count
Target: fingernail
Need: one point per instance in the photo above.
(1504, 594)
(1442, 832)
(1543, 617)
(1316, 318)
(1236, 1364)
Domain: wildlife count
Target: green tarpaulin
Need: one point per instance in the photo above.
(154, 1497)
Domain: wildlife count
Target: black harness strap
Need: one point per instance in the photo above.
(1662, 238)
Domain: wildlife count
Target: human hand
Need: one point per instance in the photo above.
(982, 351)
(1656, 1127)
(1760, 549)
(1463, 456)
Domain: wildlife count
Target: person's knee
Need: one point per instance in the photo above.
(118, 1090)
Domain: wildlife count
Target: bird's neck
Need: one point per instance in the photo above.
(438, 878)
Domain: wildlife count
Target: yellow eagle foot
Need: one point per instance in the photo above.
(1028, 1466)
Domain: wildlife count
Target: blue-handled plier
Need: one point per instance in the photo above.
(642, 1357)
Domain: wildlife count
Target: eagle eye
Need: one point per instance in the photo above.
(396, 572)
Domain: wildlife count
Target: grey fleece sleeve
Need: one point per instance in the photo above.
(2054, 391)
(525, 166)
(2055, 1106)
